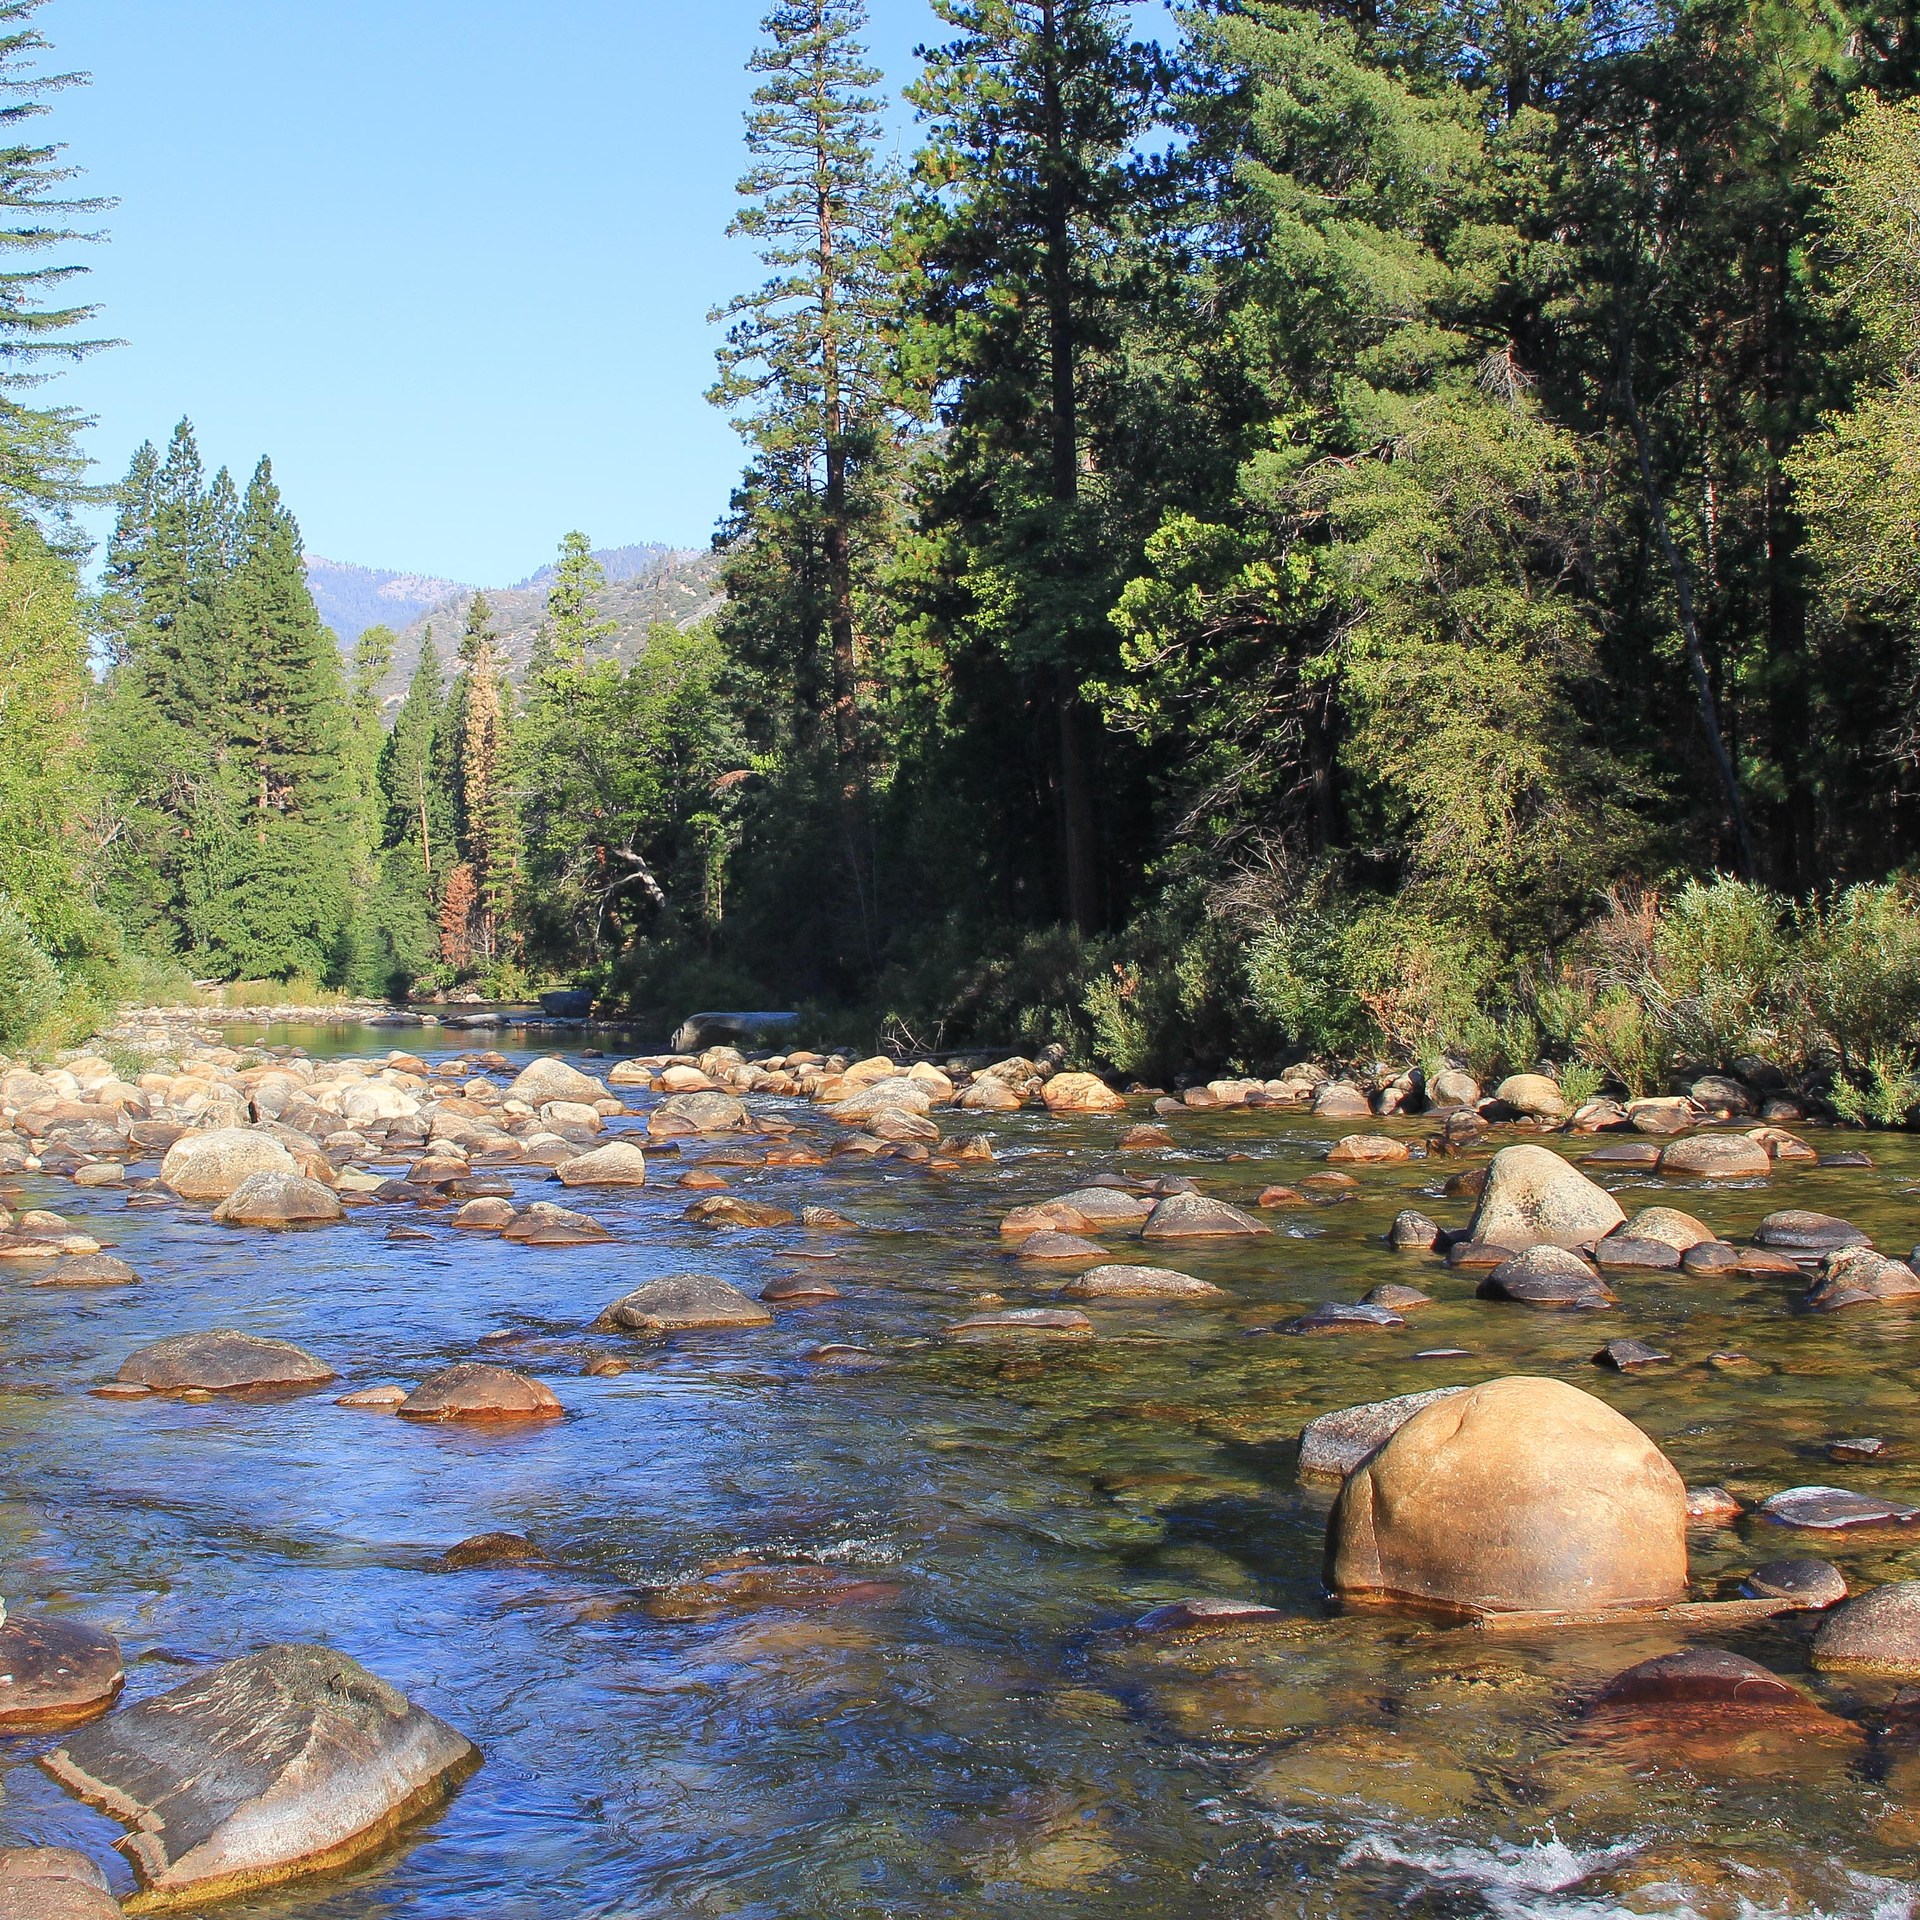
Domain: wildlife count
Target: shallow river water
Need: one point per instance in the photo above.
(815, 1642)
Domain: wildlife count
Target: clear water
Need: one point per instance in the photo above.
(946, 1714)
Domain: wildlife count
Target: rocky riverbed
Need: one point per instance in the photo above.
(810, 1486)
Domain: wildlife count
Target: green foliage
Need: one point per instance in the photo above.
(1856, 973)
(1883, 1094)
(29, 981)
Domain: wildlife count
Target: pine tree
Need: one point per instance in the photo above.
(573, 627)
(807, 366)
(488, 827)
(42, 470)
(1029, 182)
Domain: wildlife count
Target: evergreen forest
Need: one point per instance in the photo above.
(1384, 529)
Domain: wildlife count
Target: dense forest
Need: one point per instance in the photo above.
(1373, 528)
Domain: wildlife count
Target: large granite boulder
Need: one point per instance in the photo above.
(687, 1113)
(1533, 1094)
(618, 1164)
(1080, 1093)
(682, 1301)
(1519, 1495)
(278, 1200)
(1533, 1196)
(545, 1081)
(223, 1360)
(283, 1763)
(1717, 1156)
(210, 1165)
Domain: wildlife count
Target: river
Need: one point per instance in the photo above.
(855, 1644)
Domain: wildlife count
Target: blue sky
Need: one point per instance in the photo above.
(447, 261)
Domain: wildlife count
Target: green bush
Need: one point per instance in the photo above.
(1856, 974)
(1883, 1094)
(30, 985)
(1719, 980)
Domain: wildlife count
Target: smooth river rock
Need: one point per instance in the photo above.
(687, 1113)
(1795, 1230)
(1547, 1276)
(546, 1081)
(544, 1225)
(1717, 1156)
(473, 1390)
(286, 1762)
(210, 1165)
(1533, 1196)
(1809, 1583)
(1877, 1633)
(1139, 1283)
(222, 1360)
(279, 1200)
(683, 1301)
(89, 1270)
(1080, 1093)
(1519, 1495)
(618, 1164)
(53, 1883)
(55, 1673)
(1193, 1216)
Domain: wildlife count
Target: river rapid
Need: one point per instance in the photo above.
(818, 1641)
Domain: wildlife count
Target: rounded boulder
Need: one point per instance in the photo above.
(1519, 1495)
(1533, 1196)
(210, 1165)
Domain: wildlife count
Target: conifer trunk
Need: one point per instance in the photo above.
(1076, 793)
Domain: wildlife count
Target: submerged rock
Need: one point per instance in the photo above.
(1694, 1676)
(1533, 1196)
(1518, 1495)
(279, 1764)
(681, 1302)
(1834, 1509)
(223, 1360)
(1367, 1149)
(1333, 1316)
(1016, 1323)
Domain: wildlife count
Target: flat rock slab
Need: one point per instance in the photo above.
(1794, 1230)
(1139, 1283)
(1334, 1444)
(1625, 1253)
(1193, 1216)
(1023, 1323)
(223, 1360)
(1063, 1249)
(680, 1302)
(284, 1763)
(1698, 1675)
(55, 1673)
(1629, 1356)
(1205, 1613)
(1336, 1317)
(1834, 1510)
(473, 1390)
(1395, 1297)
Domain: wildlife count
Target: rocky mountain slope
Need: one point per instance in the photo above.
(645, 585)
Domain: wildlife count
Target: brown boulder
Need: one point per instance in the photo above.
(1081, 1093)
(473, 1390)
(683, 1301)
(1717, 1156)
(223, 1360)
(1193, 1216)
(210, 1165)
(55, 1673)
(1518, 1495)
(618, 1164)
(1366, 1149)
(1532, 1195)
(1877, 1633)
(53, 1883)
(1138, 1283)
